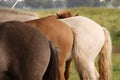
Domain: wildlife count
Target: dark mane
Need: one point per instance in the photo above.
(64, 14)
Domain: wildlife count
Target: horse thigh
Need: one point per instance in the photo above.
(63, 54)
(35, 69)
(61, 65)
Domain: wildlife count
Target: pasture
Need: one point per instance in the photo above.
(109, 18)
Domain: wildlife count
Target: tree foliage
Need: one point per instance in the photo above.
(33, 3)
(5, 4)
(116, 2)
(58, 3)
(76, 3)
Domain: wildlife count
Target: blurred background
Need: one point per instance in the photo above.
(45, 4)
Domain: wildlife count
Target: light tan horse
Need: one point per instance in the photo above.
(7, 14)
(90, 40)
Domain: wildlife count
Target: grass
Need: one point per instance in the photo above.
(109, 18)
(73, 73)
(115, 69)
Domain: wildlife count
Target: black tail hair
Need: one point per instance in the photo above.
(52, 72)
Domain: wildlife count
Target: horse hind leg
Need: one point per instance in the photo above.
(105, 58)
(86, 69)
(61, 67)
(62, 60)
(94, 75)
(81, 63)
(61, 72)
(80, 60)
(84, 66)
(67, 69)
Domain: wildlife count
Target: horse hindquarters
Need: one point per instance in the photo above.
(83, 65)
(105, 58)
(52, 72)
(80, 59)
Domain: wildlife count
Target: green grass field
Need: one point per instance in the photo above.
(115, 69)
(109, 18)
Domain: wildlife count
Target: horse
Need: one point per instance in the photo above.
(59, 33)
(26, 53)
(62, 40)
(90, 40)
(8, 14)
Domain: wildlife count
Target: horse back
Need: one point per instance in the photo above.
(8, 14)
(56, 31)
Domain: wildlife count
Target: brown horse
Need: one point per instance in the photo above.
(26, 54)
(59, 33)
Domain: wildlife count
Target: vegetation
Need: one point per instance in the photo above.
(45, 4)
(115, 69)
(109, 18)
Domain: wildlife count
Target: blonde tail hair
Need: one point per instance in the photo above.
(104, 60)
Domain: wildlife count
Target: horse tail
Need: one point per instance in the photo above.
(104, 60)
(79, 57)
(52, 72)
